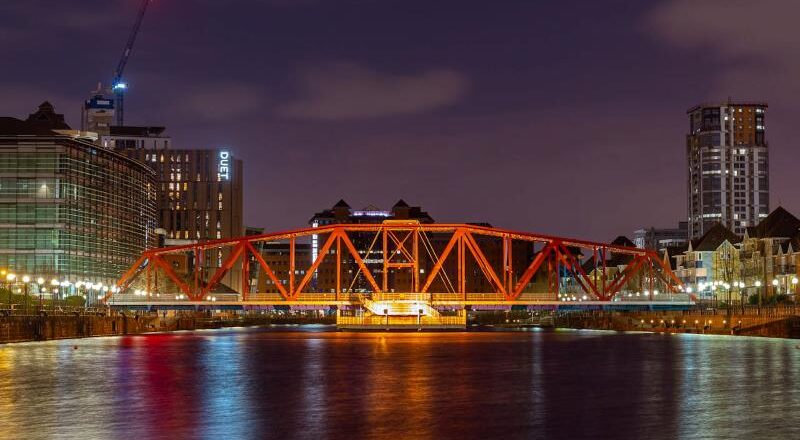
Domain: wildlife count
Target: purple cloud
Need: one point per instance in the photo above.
(755, 43)
(223, 101)
(349, 91)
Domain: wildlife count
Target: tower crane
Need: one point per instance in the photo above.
(118, 85)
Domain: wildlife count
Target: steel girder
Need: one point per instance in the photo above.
(405, 246)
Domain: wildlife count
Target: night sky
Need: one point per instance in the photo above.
(563, 117)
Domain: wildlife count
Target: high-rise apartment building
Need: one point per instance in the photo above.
(728, 166)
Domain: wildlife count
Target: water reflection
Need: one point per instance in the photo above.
(329, 385)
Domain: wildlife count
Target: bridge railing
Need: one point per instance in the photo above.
(312, 298)
(171, 298)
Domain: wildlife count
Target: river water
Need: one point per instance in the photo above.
(312, 382)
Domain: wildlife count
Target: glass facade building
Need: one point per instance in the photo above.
(70, 210)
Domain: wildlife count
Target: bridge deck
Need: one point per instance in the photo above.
(544, 304)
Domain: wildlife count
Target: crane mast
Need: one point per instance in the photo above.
(118, 85)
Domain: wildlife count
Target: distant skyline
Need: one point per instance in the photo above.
(563, 118)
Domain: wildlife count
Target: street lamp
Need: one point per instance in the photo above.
(728, 305)
(25, 280)
(714, 293)
(9, 278)
(741, 286)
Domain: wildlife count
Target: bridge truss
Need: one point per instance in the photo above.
(441, 263)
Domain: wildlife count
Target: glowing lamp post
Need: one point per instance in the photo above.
(9, 279)
(776, 286)
(758, 292)
(25, 280)
(40, 287)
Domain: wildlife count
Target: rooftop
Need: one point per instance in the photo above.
(715, 236)
(779, 223)
(43, 122)
(730, 102)
(136, 131)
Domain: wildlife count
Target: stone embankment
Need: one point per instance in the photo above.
(22, 328)
(767, 324)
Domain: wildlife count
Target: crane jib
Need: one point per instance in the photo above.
(117, 84)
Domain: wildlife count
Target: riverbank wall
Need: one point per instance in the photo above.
(41, 328)
(773, 326)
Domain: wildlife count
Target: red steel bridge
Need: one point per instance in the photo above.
(400, 268)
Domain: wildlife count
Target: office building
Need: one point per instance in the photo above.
(728, 166)
(276, 255)
(370, 249)
(661, 238)
(97, 113)
(70, 211)
(341, 213)
(199, 191)
(199, 198)
(132, 137)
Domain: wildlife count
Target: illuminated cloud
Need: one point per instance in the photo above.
(350, 91)
(92, 16)
(755, 42)
(222, 101)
